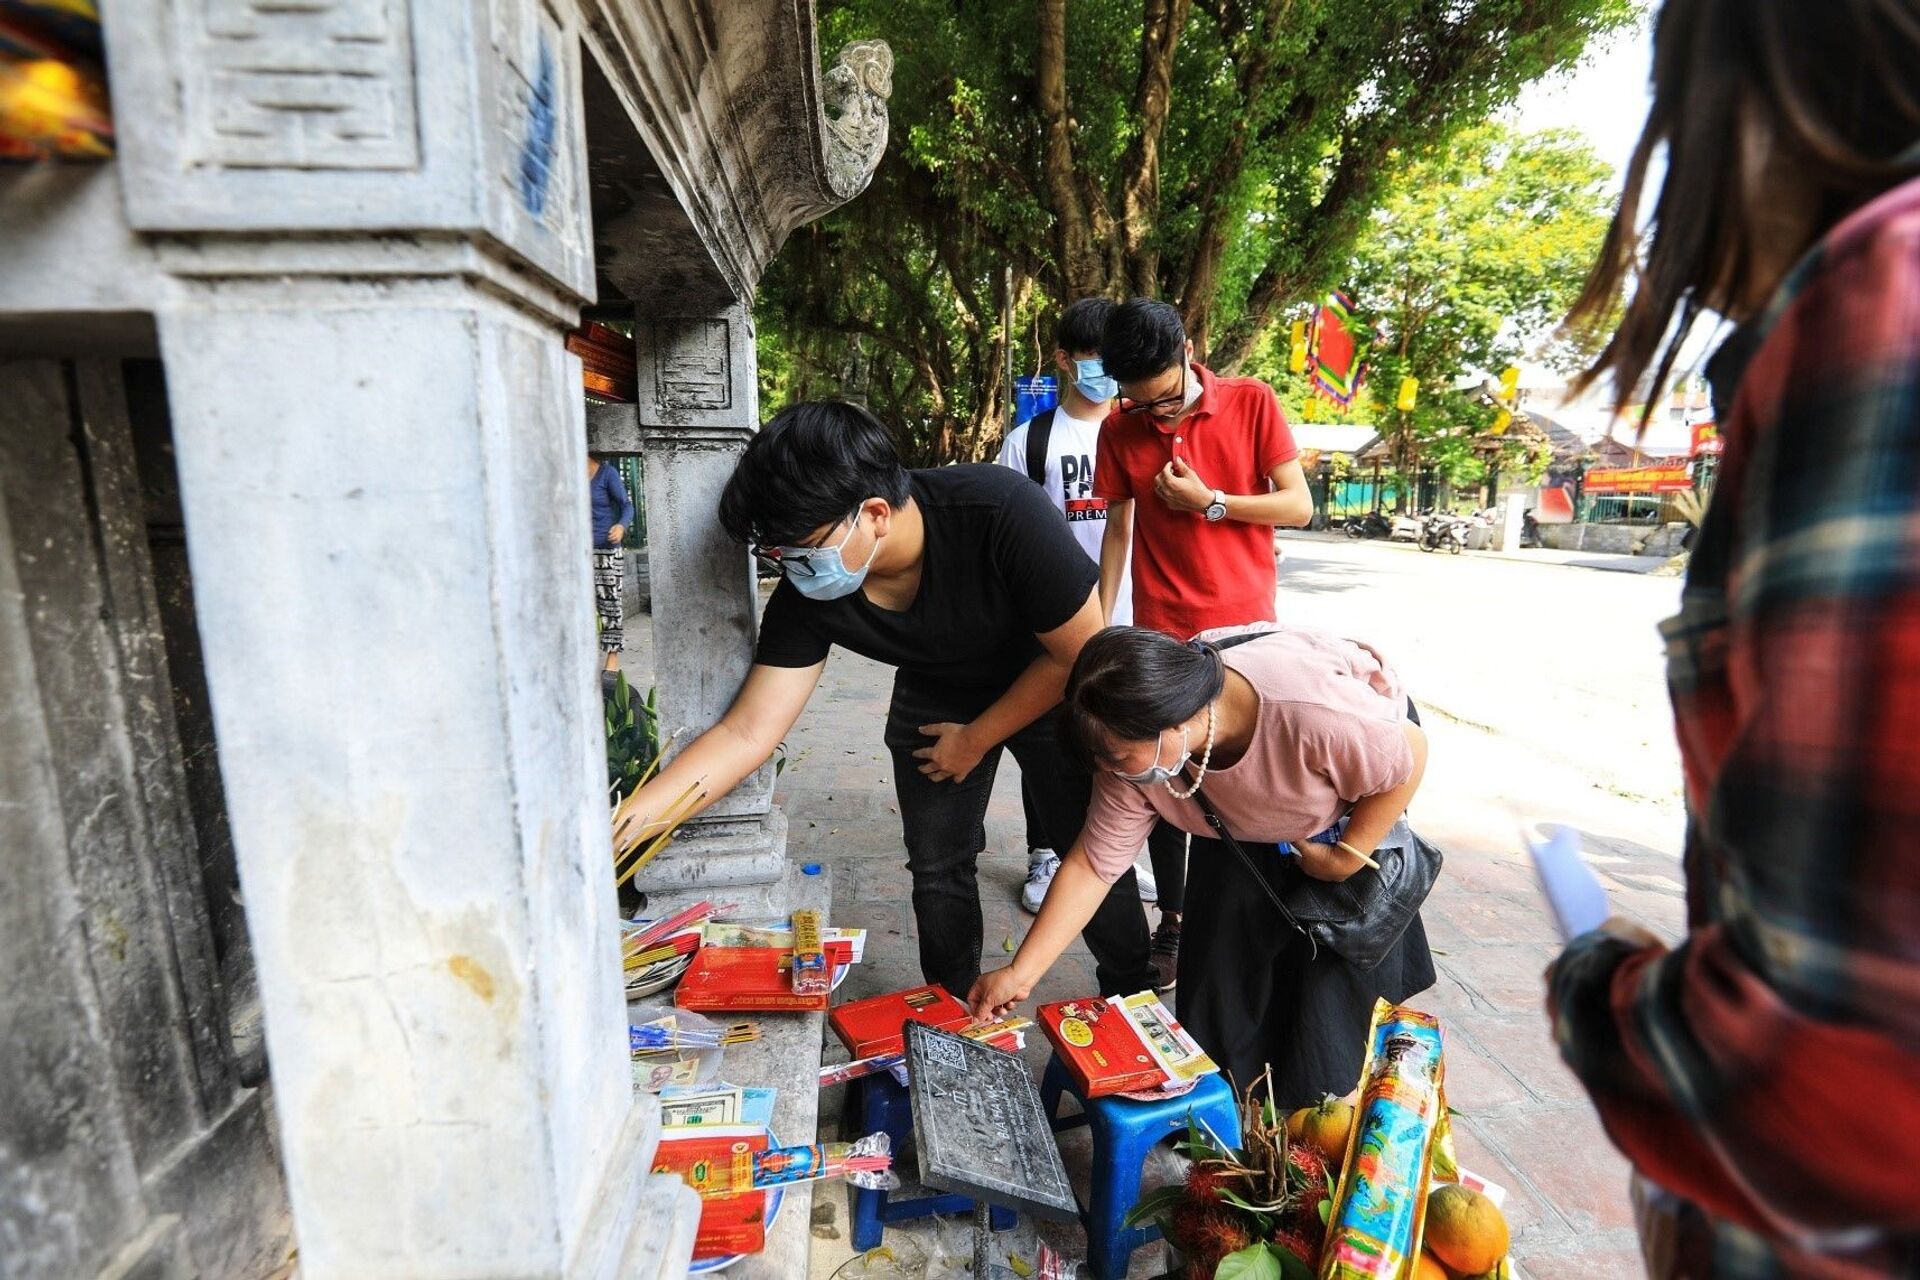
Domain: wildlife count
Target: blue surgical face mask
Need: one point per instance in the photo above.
(1090, 378)
(819, 573)
(1158, 773)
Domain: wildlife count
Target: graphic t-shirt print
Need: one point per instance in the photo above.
(1076, 489)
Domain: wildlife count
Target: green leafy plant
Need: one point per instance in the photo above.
(633, 737)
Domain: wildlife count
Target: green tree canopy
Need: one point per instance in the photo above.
(1223, 154)
(1465, 268)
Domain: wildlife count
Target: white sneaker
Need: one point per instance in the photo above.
(1149, 890)
(1041, 864)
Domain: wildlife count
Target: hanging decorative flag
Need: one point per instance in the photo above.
(1339, 353)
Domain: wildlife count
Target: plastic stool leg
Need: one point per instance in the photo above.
(869, 1204)
(1119, 1152)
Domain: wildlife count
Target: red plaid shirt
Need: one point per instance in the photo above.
(1765, 1074)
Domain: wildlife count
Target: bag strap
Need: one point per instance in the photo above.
(1039, 435)
(1246, 860)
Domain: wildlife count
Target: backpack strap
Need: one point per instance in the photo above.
(1039, 435)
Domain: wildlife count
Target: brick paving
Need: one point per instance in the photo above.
(1526, 1123)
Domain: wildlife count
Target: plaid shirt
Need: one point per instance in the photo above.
(1764, 1076)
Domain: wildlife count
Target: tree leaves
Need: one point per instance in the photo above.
(1225, 154)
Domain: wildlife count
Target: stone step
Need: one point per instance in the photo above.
(725, 855)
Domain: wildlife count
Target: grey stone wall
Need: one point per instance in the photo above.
(128, 1143)
(1615, 539)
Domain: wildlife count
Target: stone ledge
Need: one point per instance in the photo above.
(786, 1057)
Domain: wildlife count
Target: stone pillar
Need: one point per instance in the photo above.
(377, 227)
(698, 407)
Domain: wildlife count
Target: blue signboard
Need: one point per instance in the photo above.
(1034, 395)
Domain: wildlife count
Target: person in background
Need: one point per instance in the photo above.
(1055, 449)
(612, 517)
(1292, 736)
(1196, 471)
(967, 581)
(1763, 1075)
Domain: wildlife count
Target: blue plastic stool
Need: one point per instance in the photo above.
(882, 1105)
(1124, 1131)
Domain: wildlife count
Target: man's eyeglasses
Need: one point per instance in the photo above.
(797, 562)
(1164, 405)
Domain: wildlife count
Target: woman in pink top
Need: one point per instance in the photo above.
(1302, 741)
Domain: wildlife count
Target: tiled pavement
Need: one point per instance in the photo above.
(1526, 1123)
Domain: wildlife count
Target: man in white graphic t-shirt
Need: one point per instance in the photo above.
(1055, 449)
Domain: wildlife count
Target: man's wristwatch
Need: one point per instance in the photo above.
(1217, 509)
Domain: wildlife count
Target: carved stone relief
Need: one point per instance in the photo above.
(693, 368)
(855, 92)
(321, 84)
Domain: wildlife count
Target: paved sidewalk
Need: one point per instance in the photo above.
(1526, 1123)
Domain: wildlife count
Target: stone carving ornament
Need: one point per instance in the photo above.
(855, 90)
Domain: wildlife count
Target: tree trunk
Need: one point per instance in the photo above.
(1161, 24)
(1080, 257)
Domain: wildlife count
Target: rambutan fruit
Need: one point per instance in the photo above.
(1299, 1245)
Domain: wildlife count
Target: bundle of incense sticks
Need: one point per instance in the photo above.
(655, 835)
(644, 939)
(657, 1038)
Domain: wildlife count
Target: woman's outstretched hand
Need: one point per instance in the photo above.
(995, 994)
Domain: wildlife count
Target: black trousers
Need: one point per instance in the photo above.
(1167, 852)
(944, 825)
(1255, 994)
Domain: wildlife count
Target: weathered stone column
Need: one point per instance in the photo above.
(378, 232)
(698, 407)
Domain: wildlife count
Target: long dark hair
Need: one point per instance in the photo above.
(1130, 684)
(1745, 91)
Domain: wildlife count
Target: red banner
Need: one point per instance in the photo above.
(1639, 480)
(1706, 438)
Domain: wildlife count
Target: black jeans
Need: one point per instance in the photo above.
(944, 825)
(1167, 851)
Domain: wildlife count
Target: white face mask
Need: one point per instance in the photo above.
(1157, 773)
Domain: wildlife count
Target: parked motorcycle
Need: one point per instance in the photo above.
(1371, 525)
(1443, 530)
(1406, 528)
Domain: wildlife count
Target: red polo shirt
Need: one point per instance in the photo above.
(1189, 575)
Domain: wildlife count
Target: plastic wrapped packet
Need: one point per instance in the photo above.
(654, 1070)
(1379, 1211)
(867, 1163)
(810, 974)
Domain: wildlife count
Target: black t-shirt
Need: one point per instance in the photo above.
(999, 567)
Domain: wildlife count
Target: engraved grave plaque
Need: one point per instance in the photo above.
(980, 1128)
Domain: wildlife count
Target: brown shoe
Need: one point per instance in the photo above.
(1163, 954)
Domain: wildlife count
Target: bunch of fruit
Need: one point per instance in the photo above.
(1261, 1209)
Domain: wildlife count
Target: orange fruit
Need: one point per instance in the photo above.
(1465, 1230)
(1427, 1267)
(1324, 1127)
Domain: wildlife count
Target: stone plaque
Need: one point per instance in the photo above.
(693, 368)
(320, 84)
(980, 1127)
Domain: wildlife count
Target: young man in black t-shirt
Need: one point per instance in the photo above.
(966, 580)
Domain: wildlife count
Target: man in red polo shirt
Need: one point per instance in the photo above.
(1196, 471)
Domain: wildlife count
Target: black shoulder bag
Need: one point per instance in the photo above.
(1360, 918)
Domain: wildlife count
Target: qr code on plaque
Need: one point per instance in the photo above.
(946, 1052)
